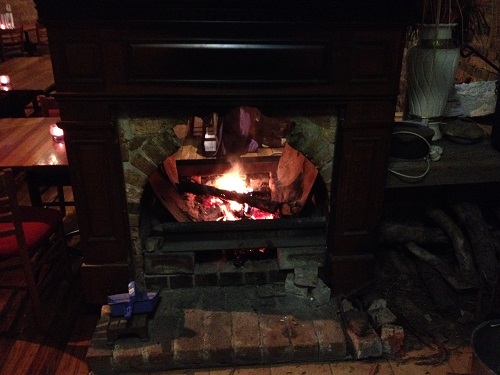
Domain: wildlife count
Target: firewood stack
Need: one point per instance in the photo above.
(460, 255)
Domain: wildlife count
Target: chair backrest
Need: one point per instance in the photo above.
(41, 34)
(49, 106)
(33, 235)
(9, 211)
(12, 42)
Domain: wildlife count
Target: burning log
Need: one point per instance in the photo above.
(244, 198)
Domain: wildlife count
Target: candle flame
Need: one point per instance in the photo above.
(56, 132)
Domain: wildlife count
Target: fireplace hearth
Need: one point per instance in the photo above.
(116, 63)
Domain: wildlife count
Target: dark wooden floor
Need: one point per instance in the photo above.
(23, 350)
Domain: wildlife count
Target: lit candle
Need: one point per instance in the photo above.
(5, 82)
(57, 133)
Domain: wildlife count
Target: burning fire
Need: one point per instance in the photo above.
(232, 210)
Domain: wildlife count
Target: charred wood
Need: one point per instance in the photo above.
(199, 189)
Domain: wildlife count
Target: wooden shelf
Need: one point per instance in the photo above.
(459, 164)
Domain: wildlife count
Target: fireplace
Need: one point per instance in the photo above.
(164, 61)
(184, 239)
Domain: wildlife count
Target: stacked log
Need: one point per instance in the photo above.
(475, 264)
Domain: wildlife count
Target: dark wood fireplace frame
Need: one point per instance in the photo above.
(196, 55)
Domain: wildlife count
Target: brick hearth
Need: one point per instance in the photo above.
(221, 326)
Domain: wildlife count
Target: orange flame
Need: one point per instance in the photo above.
(235, 181)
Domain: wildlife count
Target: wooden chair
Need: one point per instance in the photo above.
(41, 34)
(48, 106)
(12, 42)
(42, 40)
(38, 182)
(33, 238)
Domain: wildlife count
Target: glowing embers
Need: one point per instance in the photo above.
(279, 185)
(231, 196)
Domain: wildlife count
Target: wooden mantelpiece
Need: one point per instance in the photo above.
(192, 56)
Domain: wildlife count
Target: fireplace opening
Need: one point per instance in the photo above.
(184, 241)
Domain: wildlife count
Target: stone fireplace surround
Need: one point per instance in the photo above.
(163, 261)
(166, 57)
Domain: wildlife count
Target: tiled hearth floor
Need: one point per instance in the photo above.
(248, 330)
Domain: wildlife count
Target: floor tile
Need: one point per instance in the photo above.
(264, 370)
(415, 369)
(224, 371)
(302, 369)
(461, 360)
(179, 372)
(368, 367)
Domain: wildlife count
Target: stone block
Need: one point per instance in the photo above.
(181, 281)
(125, 356)
(374, 303)
(255, 278)
(293, 289)
(393, 338)
(366, 346)
(265, 291)
(275, 337)
(99, 359)
(246, 337)
(133, 176)
(276, 276)
(260, 265)
(169, 263)
(304, 340)
(217, 336)
(134, 195)
(157, 282)
(205, 280)
(154, 152)
(306, 276)
(381, 316)
(231, 278)
(154, 243)
(156, 356)
(331, 339)
(271, 290)
(141, 163)
(292, 257)
(321, 294)
(142, 126)
(188, 342)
